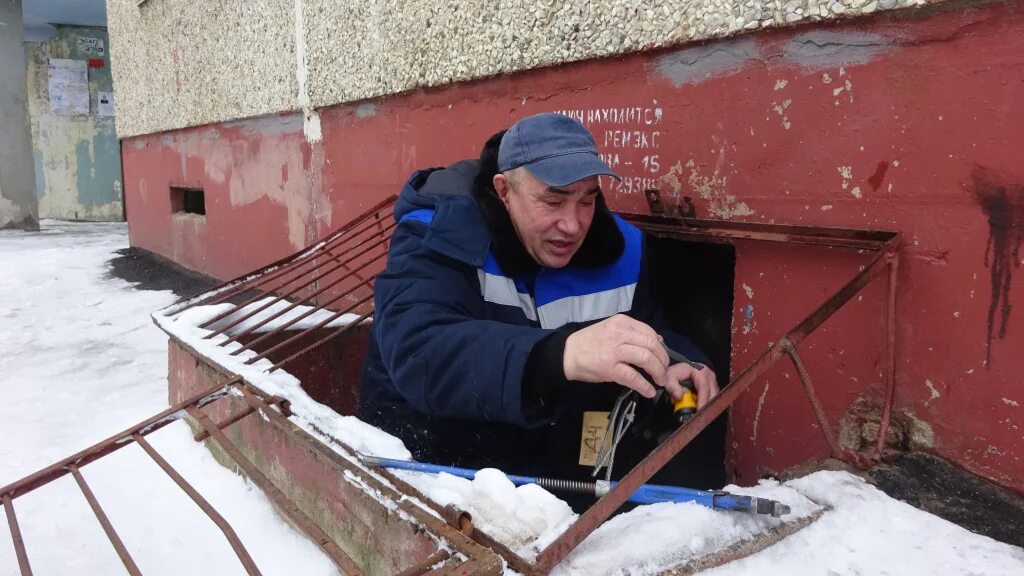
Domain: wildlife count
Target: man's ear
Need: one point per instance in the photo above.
(502, 188)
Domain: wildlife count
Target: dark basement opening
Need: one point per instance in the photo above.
(693, 283)
(188, 200)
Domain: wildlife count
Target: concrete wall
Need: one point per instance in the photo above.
(18, 207)
(906, 121)
(77, 159)
(183, 63)
(290, 55)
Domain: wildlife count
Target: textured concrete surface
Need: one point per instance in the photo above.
(389, 47)
(77, 159)
(18, 208)
(180, 64)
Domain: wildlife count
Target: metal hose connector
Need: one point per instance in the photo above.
(558, 485)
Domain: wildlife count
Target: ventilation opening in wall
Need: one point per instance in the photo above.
(187, 200)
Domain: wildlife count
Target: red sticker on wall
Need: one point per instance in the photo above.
(96, 63)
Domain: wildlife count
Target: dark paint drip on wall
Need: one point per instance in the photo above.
(1001, 197)
(876, 179)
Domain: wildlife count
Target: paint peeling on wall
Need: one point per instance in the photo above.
(749, 324)
(253, 169)
(77, 159)
(760, 406)
(711, 188)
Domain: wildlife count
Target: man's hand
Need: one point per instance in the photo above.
(608, 351)
(703, 380)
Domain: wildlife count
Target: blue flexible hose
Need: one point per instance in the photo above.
(646, 494)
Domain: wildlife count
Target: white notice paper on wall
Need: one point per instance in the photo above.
(105, 103)
(92, 46)
(69, 87)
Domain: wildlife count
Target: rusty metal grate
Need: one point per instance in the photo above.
(276, 410)
(336, 274)
(335, 277)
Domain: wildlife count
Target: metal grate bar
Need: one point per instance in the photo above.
(313, 278)
(285, 325)
(287, 507)
(319, 325)
(273, 270)
(224, 424)
(427, 565)
(229, 532)
(812, 395)
(292, 306)
(19, 543)
(115, 442)
(322, 341)
(108, 528)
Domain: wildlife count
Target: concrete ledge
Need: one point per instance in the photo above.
(376, 536)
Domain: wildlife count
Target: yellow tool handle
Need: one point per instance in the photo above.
(688, 401)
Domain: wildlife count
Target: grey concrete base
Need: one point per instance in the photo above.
(18, 205)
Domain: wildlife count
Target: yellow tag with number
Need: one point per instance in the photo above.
(595, 425)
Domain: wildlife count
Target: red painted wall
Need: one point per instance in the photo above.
(908, 122)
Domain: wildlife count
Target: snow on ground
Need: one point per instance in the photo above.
(869, 533)
(655, 538)
(80, 360)
(864, 532)
(524, 518)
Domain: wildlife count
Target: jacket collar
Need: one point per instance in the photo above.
(470, 220)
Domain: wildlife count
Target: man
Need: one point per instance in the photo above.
(514, 302)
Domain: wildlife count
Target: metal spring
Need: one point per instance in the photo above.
(558, 485)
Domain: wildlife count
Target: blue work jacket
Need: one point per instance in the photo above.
(452, 331)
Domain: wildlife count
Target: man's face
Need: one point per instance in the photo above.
(551, 221)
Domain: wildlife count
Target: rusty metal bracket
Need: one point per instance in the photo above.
(657, 206)
(654, 203)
